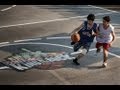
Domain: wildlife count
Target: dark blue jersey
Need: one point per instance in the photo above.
(86, 33)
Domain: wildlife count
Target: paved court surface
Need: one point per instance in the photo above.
(47, 28)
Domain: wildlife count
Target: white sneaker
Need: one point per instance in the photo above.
(104, 64)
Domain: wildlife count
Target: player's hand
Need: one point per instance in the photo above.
(110, 44)
(93, 33)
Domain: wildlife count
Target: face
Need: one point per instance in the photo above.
(105, 23)
(90, 22)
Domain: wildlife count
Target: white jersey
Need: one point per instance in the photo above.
(105, 34)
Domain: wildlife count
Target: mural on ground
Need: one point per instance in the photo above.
(29, 59)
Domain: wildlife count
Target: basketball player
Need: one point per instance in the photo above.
(87, 32)
(105, 38)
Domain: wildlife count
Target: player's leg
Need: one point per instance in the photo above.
(85, 50)
(83, 53)
(106, 47)
(76, 48)
(105, 57)
(98, 46)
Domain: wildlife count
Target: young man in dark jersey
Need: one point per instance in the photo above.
(87, 32)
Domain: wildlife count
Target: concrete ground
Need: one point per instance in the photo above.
(47, 28)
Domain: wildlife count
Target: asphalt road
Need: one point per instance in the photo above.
(38, 27)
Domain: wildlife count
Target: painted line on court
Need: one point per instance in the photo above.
(37, 44)
(104, 9)
(114, 54)
(53, 45)
(4, 43)
(4, 67)
(73, 7)
(28, 40)
(93, 49)
(5, 9)
(54, 20)
(65, 37)
(48, 38)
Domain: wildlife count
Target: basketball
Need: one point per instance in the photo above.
(75, 37)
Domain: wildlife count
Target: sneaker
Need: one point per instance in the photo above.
(104, 64)
(75, 61)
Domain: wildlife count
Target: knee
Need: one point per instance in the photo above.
(84, 51)
(75, 48)
(105, 51)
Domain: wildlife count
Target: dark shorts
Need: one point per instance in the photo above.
(104, 45)
(78, 45)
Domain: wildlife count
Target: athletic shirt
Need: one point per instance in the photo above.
(86, 32)
(105, 34)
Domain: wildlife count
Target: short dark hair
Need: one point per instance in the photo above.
(91, 17)
(107, 18)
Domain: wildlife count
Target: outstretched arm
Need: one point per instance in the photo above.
(77, 29)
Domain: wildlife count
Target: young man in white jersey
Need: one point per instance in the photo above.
(105, 38)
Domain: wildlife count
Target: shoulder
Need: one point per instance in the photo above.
(96, 25)
(82, 24)
(85, 22)
(111, 27)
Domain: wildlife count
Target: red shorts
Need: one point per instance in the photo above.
(104, 45)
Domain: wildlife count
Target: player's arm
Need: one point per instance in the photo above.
(114, 37)
(77, 29)
(95, 33)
